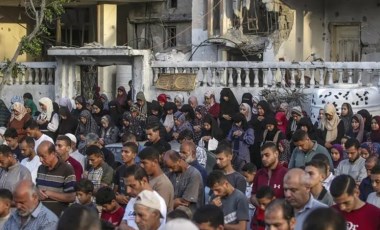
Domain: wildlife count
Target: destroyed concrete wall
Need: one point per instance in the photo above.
(312, 31)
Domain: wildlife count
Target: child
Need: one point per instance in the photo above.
(336, 154)
(264, 196)
(316, 170)
(241, 136)
(84, 190)
(249, 172)
(343, 141)
(111, 210)
(284, 152)
(5, 206)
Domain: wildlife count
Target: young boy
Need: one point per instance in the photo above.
(249, 172)
(111, 210)
(264, 196)
(374, 197)
(316, 171)
(84, 191)
(5, 205)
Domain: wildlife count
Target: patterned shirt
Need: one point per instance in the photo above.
(41, 218)
(101, 175)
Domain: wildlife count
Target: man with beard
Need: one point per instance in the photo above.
(31, 213)
(188, 153)
(186, 180)
(271, 174)
(355, 164)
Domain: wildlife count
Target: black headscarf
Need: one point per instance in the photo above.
(368, 117)
(247, 98)
(231, 106)
(239, 117)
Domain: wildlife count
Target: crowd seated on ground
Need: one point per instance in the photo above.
(248, 165)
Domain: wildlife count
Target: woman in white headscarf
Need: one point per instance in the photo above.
(245, 109)
(179, 100)
(48, 120)
(334, 127)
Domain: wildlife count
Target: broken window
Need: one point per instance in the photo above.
(170, 38)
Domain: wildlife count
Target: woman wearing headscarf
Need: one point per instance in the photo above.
(109, 133)
(80, 105)
(212, 106)
(200, 113)
(334, 127)
(210, 130)
(66, 102)
(228, 107)
(170, 109)
(156, 109)
(255, 101)
(67, 123)
(246, 110)
(179, 100)
(31, 107)
(15, 99)
(189, 113)
(272, 133)
(282, 121)
(284, 152)
(144, 106)
(346, 116)
(357, 128)
(241, 136)
(86, 125)
(121, 97)
(115, 112)
(181, 124)
(98, 112)
(18, 119)
(375, 130)
(133, 123)
(296, 115)
(48, 120)
(4, 114)
(367, 119)
(162, 99)
(259, 126)
(337, 154)
(105, 101)
(247, 98)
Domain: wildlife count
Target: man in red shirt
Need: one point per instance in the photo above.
(358, 214)
(63, 147)
(271, 174)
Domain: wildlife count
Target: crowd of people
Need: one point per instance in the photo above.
(249, 165)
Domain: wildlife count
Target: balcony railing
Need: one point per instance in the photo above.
(275, 74)
(31, 73)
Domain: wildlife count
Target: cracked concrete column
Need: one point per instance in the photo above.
(106, 28)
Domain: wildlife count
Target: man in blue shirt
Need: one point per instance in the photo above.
(31, 213)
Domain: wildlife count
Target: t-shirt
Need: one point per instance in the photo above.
(364, 218)
(373, 199)
(119, 180)
(235, 207)
(164, 187)
(129, 214)
(79, 157)
(237, 181)
(32, 165)
(77, 168)
(114, 218)
(42, 138)
(188, 185)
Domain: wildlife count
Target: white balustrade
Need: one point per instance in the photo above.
(292, 74)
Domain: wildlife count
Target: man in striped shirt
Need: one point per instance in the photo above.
(55, 179)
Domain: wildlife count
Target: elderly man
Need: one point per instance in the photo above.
(55, 179)
(186, 180)
(297, 194)
(147, 210)
(193, 101)
(136, 181)
(31, 213)
(188, 153)
(279, 215)
(11, 171)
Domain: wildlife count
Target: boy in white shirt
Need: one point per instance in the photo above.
(374, 197)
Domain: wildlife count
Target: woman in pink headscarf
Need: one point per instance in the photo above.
(121, 97)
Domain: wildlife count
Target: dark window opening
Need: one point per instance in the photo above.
(173, 4)
(171, 33)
